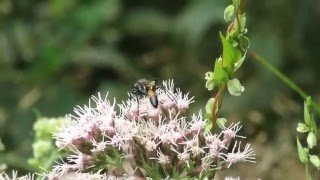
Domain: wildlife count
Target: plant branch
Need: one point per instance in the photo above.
(215, 107)
(283, 77)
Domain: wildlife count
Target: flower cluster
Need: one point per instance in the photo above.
(14, 176)
(141, 141)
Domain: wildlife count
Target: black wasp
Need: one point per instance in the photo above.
(148, 88)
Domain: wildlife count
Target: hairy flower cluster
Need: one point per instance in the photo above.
(141, 141)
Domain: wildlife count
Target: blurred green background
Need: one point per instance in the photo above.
(55, 54)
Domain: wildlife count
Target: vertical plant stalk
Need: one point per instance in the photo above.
(307, 171)
(238, 20)
(215, 107)
(218, 97)
(235, 45)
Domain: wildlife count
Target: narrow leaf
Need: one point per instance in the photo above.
(306, 114)
(303, 155)
(308, 117)
(230, 55)
(220, 76)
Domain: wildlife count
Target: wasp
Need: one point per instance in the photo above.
(148, 88)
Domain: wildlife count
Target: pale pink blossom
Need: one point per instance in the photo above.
(100, 137)
(247, 155)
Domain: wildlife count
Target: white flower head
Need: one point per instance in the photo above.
(247, 155)
(231, 132)
(161, 134)
(161, 158)
(197, 123)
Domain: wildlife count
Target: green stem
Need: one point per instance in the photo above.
(238, 21)
(307, 172)
(215, 107)
(284, 78)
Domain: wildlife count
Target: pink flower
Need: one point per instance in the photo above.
(197, 123)
(247, 155)
(162, 158)
(183, 101)
(102, 139)
(231, 132)
(183, 156)
(81, 161)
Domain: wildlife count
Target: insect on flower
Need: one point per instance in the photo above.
(143, 88)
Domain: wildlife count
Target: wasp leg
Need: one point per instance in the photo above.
(137, 96)
(130, 99)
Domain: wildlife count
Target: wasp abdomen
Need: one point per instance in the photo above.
(154, 101)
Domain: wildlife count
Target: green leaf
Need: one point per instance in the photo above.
(216, 78)
(315, 161)
(221, 122)
(208, 127)
(208, 114)
(239, 63)
(243, 21)
(233, 34)
(234, 87)
(244, 42)
(236, 3)
(308, 101)
(209, 106)
(209, 82)
(302, 128)
(313, 126)
(306, 114)
(220, 76)
(302, 152)
(308, 117)
(229, 13)
(231, 55)
(311, 140)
